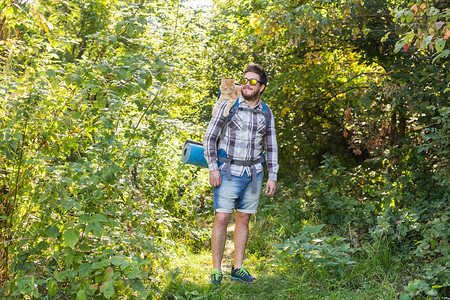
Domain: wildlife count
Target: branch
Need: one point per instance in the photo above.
(142, 116)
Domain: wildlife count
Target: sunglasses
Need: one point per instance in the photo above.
(252, 81)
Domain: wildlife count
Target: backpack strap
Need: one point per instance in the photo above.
(233, 110)
(223, 159)
(266, 113)
(236, 107)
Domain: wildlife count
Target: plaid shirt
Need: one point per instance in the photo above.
(242, 138)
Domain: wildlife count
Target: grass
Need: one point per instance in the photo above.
(272, 283)
(189, 273)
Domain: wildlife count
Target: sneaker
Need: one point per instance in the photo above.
(216, 277)
(242, 274)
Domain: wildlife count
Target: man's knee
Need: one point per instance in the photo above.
(222, 219)
(242, 218)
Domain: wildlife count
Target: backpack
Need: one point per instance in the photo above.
(236, 107)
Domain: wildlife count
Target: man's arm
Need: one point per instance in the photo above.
(271, 148)
(210, 146)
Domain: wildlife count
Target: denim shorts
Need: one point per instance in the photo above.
(237, 194)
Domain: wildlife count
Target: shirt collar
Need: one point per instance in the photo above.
(242, 100)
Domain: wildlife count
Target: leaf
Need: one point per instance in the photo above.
(400, 13)
(81, 295)
(148, 81)
(130, 30)
(9, 12)
(98, 229)
(142, 20)
(385, 37)
(55, 83)
(67, 205)
(405, 296)
(439, 45)
(95, 227)
(107, 289)
(406, 47)
(109, 273)
(50, 73)
(443, 54)
(68, 79)
(159, 62)
(52, 287)
(52, 231)
(399, 45)
(426, 41)
(112, 38)
(84, 218)
(84, 269)
(99, 218)
(409, 16)
(439, 25)
(137, 285)
(122, 73)
(71, 237)
(316, 228)
(446, 33)
(139, 29)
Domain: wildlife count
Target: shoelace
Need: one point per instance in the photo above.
(242, 271)
(216, 275)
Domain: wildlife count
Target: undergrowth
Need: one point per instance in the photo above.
(340, 234)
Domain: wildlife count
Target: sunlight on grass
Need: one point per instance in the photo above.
(188, 278)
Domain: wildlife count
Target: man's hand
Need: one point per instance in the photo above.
(215, 179)
(271, 187)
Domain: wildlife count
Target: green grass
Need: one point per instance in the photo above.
(273, 283)
(188, 278)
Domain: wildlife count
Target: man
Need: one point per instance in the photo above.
(237, 182)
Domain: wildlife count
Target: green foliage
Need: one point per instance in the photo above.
(329, 252)
(425, 27)
(90, 159)
(97, 98)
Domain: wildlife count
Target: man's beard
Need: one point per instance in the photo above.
(250, 97)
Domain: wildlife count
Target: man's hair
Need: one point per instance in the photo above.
(255, 68)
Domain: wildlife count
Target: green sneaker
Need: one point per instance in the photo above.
(242, 274)
(216, 277)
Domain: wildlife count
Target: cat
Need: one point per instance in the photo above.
(229, 92)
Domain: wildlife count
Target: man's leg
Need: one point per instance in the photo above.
(218, 238)
(240, 237)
